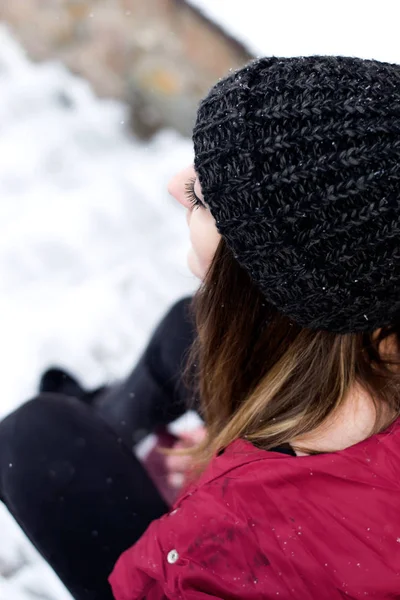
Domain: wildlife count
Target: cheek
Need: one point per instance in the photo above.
(204, 238)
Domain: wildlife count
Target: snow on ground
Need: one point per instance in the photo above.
(92, 250)
(361, 28)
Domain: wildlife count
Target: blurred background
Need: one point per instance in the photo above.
(97, 102)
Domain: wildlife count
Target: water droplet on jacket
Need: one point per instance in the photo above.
(10, 465)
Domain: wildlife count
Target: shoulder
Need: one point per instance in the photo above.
(209, 543)
(195, 551)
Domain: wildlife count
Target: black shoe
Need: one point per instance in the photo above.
(57, 381)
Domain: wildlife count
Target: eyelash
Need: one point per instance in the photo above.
(190, 193)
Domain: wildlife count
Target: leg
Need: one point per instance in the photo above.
(77, 492)
(154, 393)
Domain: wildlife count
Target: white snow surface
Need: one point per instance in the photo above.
(92, 250)
(363, 28)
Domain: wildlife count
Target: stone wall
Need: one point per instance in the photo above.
(160, 56)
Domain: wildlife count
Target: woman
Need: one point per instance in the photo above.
(294, 215)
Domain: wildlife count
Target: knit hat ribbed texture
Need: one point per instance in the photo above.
(299, 162)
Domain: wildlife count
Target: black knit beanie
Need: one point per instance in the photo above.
(299, 163)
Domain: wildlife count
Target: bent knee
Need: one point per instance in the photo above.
(43, 432)
(38, 414)
(38, 425)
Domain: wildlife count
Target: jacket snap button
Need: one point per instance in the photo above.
(172, 557)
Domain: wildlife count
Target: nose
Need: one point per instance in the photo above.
(176, 186)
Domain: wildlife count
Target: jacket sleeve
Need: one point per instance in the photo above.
(199, 551)
(145, 571)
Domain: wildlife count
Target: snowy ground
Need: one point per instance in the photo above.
(92, 250)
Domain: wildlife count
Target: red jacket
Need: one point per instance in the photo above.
(266, 525)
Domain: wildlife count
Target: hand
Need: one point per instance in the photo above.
(177, 466)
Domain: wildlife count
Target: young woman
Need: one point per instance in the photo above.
(293, 206)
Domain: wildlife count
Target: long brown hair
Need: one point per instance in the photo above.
(262, 377)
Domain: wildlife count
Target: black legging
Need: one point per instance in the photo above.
(67, 471)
